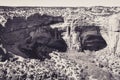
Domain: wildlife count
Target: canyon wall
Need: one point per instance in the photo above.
(106, 18)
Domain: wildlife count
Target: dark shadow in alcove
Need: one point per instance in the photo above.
(41, 46)
(2, 55)
(90, 38)
(16, 37)
(1, 29)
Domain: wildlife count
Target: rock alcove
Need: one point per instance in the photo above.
(90, 38)
(33, 37)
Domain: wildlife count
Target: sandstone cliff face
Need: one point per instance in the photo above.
(92, 32)
(106, 18)
(110, 26)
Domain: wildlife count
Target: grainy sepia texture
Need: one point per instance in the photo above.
(60, 43)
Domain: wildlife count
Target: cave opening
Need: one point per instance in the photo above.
(90, 38)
